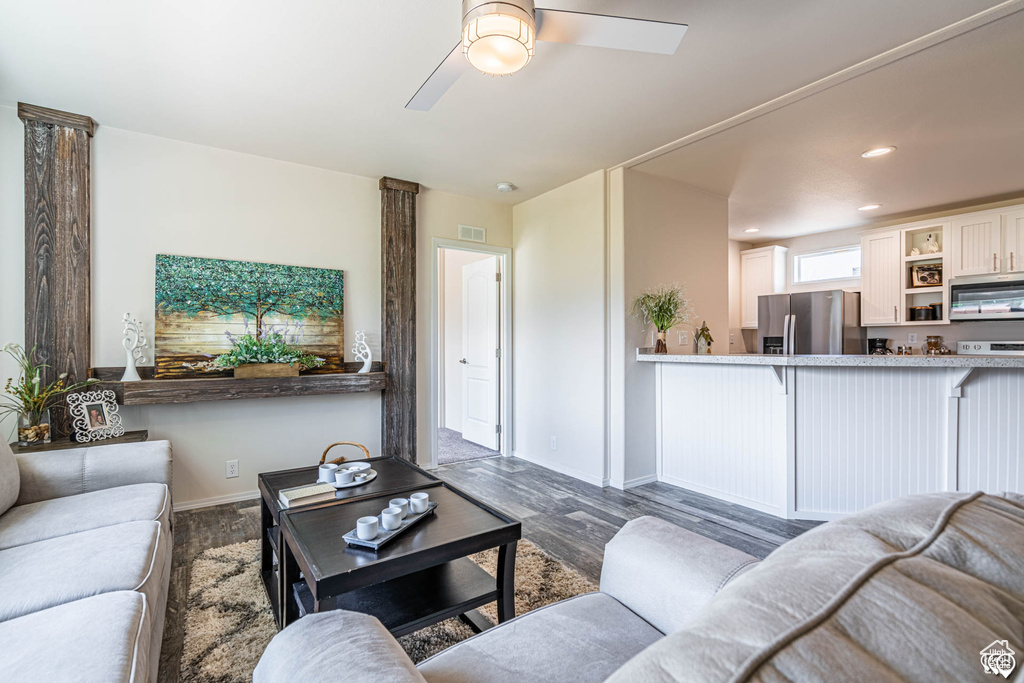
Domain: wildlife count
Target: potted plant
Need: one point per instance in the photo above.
(268, 355)
(665, 307)
(30, 399)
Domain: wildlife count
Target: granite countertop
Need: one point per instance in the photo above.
(955, 361)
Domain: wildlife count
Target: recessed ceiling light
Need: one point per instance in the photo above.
(878, 152)
(869, 207)
(752, 230)
(506, 187)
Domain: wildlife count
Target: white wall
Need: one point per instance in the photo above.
(451, 332)
(439, 214)
(673, 234)
(559, 328)
(12, 245)
(153, 195)
(736, 342)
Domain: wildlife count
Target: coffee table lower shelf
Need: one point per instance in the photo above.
(417, 600)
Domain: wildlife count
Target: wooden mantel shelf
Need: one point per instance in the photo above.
(151, 391)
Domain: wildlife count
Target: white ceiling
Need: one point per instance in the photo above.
(954, 111)
(324, 82)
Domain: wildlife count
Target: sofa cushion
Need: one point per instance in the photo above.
(911, 589)
(62, 516)
(581, 639)
(10, 477)
(93, 640)
(40, 575)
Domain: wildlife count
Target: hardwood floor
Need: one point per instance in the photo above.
(569, 519)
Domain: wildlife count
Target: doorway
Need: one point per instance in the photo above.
(469, 362)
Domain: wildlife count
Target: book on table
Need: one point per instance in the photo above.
(306, 494)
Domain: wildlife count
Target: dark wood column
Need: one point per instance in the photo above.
(57, 243)
(398, 316)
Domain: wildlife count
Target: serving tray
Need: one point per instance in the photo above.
(383, 535)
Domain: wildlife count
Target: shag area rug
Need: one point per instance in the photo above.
(228, 621)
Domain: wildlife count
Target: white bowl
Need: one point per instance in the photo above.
(356, 466)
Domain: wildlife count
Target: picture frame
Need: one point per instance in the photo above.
(926, 275)
(94, 415)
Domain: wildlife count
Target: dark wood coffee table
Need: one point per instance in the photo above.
(420, 578)
(394, 476)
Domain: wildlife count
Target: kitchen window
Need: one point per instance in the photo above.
(833, 264)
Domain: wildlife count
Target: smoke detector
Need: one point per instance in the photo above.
(506, 187)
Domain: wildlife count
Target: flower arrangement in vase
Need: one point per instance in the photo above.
(30, 399)
(665, 307)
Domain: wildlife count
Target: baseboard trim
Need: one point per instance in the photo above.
(568, 471)
(640, 481)
(727, 497)
(216, 500)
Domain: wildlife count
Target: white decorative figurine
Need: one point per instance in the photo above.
(134, 343)
(362, 351)
(931, 246)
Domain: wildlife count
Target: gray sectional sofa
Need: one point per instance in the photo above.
(912, 589)
(85, 558)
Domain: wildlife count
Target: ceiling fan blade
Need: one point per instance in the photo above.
(601, 30)
(444, 76)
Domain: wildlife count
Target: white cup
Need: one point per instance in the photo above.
(392, 518)
(362, 476)
(343, 476)
(327, 471)
(366, 528)
(418, 502)
(400, 503)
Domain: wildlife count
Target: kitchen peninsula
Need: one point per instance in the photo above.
(818, 437)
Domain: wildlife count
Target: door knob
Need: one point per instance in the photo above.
(463, 361)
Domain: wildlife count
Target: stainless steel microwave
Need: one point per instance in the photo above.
(993, 298)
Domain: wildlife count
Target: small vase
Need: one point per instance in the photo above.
(661, 344)
(34, 428)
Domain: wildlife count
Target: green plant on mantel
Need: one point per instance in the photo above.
(29, 397)
(664, 306)
(269, 348)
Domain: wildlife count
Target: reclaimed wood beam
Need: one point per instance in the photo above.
(57, 244)
(398, 317)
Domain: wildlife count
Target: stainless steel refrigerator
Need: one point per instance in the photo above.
(826, 323)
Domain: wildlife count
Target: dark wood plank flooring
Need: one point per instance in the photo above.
(569, 519)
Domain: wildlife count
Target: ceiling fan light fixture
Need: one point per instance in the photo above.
(498, 37)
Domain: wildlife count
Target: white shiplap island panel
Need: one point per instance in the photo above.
(746, 466)
(818, 437)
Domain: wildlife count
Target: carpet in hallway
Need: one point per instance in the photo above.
(451, 447)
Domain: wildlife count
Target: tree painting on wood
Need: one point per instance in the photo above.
(202, 304)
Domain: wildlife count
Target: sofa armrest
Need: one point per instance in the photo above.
(336, 646)
(55, 474)
(666, 574)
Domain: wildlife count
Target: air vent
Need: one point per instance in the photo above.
(471, 234)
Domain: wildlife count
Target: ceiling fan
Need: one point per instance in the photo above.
(498, 39)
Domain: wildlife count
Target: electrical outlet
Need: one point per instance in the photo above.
(732, 338)
(554, 443)
(230, 469)
(912, 338)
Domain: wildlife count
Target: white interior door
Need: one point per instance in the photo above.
(480, 352)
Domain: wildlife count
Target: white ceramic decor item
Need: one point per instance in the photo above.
(134, 343)
(362, 351)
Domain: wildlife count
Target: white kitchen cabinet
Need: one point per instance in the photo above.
(1013, 242)
(977, 244)
(881, 279)
(762, 271)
